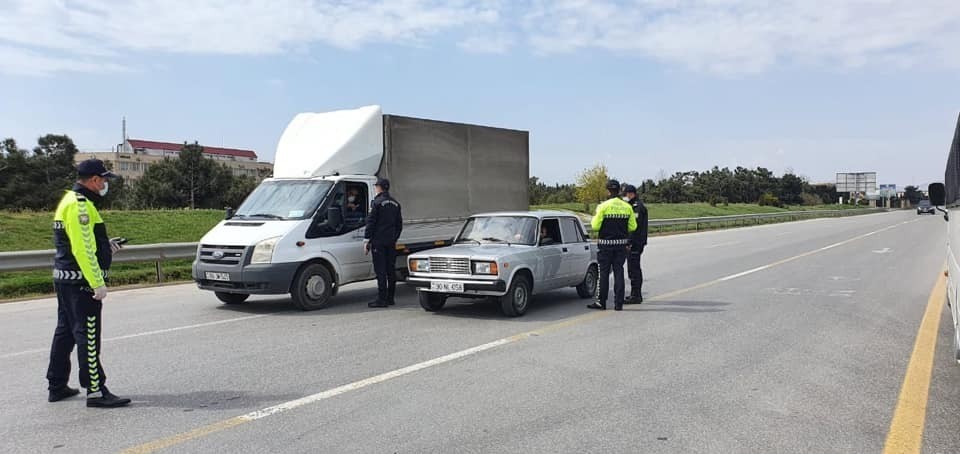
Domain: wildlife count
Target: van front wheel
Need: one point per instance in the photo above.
(312, 288)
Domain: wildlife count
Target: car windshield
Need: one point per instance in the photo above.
(284, 199)
(924, 203)
(500, 229)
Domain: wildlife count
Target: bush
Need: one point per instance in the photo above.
(808, 199)
(769, 200)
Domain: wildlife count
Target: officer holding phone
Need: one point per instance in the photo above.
(84, 254)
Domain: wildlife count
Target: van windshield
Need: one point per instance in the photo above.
(284, 199)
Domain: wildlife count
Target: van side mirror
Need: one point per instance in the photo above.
(938, 194)
(229, 214)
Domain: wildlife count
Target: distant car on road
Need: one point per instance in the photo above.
(925, 207)
(508, 256)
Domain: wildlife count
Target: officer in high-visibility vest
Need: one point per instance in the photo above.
(614, 222)
(84, 254)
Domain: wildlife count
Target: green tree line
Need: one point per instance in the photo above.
(714, 186)
(35, 179)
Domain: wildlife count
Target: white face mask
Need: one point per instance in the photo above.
(103, 191)
(351, 199)
(626, 199)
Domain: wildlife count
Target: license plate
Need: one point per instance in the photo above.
(446, 286)
(217, 276)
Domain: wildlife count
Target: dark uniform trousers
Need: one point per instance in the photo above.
(633, 268)
(384, 264)
(611, 258)
(78, 324)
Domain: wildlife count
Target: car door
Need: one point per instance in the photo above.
(576, 251)
(346, 243)
(550, 257)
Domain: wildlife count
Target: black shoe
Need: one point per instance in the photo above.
(391, 303)
(105, 399)
(634, 298)
(66, 392)
(618, 307)
(599, 306)
(377, 304)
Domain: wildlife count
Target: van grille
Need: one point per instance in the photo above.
(444, 265)
(221, 255)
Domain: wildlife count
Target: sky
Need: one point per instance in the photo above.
(645, 87)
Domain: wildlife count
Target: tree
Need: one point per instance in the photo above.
(592, 184)
(35, 180)
(913, 194)
(203, 181)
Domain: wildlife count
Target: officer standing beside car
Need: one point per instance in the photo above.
(84, 254)
(638, 241)
(614, 221)
(384, 225)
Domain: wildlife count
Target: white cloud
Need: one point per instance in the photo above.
(717, 36)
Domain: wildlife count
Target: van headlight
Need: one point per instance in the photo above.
(489, 268)
(420, 265)
(263, 251)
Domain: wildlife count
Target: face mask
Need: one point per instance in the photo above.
(626, 199)
(103, 191)
(351, 199)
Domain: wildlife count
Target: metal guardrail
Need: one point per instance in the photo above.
(30, 260)
(705, 223)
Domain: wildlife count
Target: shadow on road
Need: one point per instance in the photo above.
(549, 306)
(690, 307)
(209, 400)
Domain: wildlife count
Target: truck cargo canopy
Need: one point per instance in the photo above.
(328, 143)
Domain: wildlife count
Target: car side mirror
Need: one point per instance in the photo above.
(938, 194)
(229, 213)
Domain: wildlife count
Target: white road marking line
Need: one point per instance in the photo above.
(147, 333)
(728, 243)
(825, 248)
(286, 406)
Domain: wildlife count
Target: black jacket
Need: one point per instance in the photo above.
(639, 236)
(384, 223)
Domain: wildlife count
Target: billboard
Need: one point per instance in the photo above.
(857, 182)
(888, 190)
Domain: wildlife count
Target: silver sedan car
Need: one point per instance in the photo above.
(509, 257)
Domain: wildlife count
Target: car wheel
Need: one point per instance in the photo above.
(232, 298)
(312, 288)
(432, 302)
(588, 288)
(515, 302)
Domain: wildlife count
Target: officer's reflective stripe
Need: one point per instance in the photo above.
(58, 225)
(616, 216)
(89, 243)
(73, 275)
(93, 365)
(68, 275)
(613, 242)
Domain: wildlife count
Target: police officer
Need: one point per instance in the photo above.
(615, 222)
(84, 254)
(384, 225)
(638, 241)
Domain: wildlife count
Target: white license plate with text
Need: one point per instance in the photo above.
(217, 276)
(438, 286)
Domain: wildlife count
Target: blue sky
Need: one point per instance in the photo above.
(645, 87)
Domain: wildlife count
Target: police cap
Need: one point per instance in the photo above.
(613, 185)
(629, 188)
(94, 167)
(383, 183)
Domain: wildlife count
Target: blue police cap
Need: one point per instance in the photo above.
(94, 167)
